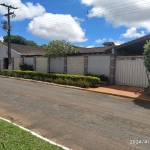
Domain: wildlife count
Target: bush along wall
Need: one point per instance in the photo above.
(73, 80)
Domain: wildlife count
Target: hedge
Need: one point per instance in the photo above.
(74, 80)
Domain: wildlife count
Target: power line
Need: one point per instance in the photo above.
(108, 16)
(57, 24)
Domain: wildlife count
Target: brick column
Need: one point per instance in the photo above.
(22, 60)
(112, 69)
(65, 65)
(34, 64)
(48, 64)
(85, 65)
(13, 63)
(3, 64)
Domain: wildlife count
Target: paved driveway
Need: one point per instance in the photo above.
(77, 119)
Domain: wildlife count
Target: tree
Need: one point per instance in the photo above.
(16, 39)
(31, 43)
(58, 49)
(1, 41)
(147, 55)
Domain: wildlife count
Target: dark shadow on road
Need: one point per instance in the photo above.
(141, 103)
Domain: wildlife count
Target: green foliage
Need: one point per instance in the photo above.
(25, 67)
(74, 80)
(31, 43)
(101, 77)
(58, 49)
(147, 55)
(14, 138)
(15, 39)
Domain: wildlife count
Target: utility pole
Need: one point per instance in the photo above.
(7, 27)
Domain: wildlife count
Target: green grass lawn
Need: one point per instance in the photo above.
(14, 138)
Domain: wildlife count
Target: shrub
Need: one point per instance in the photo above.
(101, 77)
(25, 67)
(74, 80)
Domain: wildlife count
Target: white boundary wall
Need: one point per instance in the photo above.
(75, 65)
(29, 60)
(17, 62)
(57, 65)
(41, 64)
(99, 65)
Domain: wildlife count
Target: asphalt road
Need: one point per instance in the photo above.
(77, 119)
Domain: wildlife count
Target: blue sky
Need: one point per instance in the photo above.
(86, 23)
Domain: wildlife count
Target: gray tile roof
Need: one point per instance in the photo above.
(25, 50)
(83, 50)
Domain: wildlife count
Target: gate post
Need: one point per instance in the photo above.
(112, 69)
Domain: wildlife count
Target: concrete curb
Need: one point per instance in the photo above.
(35, 134)
(72, 87)
(41, 82)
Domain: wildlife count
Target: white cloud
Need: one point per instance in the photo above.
(100, 40)
(132, 33)
(117, 42)
(1, 38)
(24, 11)
(91, 46)
(78, 19)
(129, 13)
(57, 27)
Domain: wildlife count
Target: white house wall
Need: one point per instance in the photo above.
(41, 64)
(3, 52)
(99, 65)
(75, 65)
(57, 65)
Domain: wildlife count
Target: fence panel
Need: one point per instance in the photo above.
(57, 65)
(29, 60)
(41, 64)
(99, 65)
(130, 70)
(17, 62)
(75, 65)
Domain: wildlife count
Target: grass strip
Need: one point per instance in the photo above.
(14, 138)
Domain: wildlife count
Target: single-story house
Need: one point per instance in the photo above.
(18, 51)
(96, 60)
(30, 51)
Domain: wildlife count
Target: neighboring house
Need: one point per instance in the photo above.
(129, 64)
(18, 51)
(134, 47)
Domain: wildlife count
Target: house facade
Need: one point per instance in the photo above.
(123, 64)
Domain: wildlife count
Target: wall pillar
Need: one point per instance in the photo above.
(48, 64)
(85, 65)
(34, 64)
(65, 65)
(13, 63)
(112, 69)
(22, 60)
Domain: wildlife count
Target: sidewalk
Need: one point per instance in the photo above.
(123, 91)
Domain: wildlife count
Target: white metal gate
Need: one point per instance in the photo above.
(130, 70)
